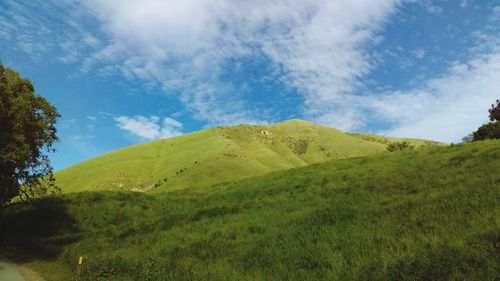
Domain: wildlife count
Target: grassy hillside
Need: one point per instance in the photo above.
(430, 214)
(217, 155)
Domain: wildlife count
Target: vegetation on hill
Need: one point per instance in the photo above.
(426, 214)
(400, 146)
(217, 155)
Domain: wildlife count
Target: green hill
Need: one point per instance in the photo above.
(217, 155)
(428, 214)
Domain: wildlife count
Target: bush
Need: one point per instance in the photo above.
(400, 146)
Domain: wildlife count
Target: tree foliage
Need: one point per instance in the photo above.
(489, 130)
(495, 111)
(27, 133)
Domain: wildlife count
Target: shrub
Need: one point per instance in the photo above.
(400, 146)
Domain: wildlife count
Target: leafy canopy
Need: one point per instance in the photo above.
(489, 130)
(495, 111)
(27, 132)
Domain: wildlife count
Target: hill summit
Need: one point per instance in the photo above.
(217, 155)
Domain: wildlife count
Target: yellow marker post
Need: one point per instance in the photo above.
(79, 268)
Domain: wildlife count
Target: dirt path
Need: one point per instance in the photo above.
(12, 272)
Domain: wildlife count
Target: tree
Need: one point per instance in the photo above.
(495, 112)
(27, 133)
(489, 130)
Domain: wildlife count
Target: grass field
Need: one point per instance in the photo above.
(217, 155)
(429, 214)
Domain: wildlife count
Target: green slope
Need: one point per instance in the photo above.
(217, 155)
(430, 214)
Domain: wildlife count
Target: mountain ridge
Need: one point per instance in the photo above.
(219, 154)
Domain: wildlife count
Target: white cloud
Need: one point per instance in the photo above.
(321, 48)
(419, 53)
(318, 47)
(172, 123)
(149, 128)
(90, 40)
(30, 27)
(446, 108)
(429, 6)
(496, 13)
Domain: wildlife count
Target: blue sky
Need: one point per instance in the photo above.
(124, 72)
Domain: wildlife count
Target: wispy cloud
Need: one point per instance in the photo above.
(321, 49)
(430, 6)
(317, 47)
(149, 128)
(445, 108)
(419, 53)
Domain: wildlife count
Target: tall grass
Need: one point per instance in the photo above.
(431, 214)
